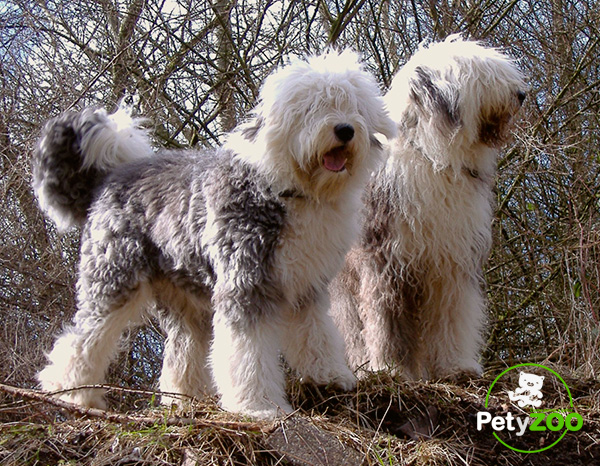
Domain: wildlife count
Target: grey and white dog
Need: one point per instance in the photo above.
(238, 244)
(410, 295)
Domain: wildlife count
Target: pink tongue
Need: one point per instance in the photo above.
(335, 160)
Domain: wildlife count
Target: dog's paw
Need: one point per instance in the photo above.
(341, 377)
(49, 379)
(262, 409)
(269, 414)
(461, 374)
(346, 380)
(89, 397)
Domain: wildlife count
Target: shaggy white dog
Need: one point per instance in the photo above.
(240, 243)
(410, 293)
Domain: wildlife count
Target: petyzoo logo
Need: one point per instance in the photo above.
(538, 411)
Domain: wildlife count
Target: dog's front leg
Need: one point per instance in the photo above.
(458, 310)
(314, 347)
(245, 361)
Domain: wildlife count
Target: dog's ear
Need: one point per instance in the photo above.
(250, 130)
(385, 125)
(435, 96)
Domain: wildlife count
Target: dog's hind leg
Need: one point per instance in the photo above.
(112, 292)
(187, 321)
(81, 355)
(313, 346)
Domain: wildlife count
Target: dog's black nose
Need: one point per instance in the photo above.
(521, 96)
(344, 132)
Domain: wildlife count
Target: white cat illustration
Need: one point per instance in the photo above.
(529, 392)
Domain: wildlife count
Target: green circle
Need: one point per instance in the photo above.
(543, 367)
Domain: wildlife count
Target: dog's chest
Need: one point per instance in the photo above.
(442, 217)
(312, 246)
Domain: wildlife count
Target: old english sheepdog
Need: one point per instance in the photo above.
(410, 294)
(236, 246)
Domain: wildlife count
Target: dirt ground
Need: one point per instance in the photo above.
(385, 421)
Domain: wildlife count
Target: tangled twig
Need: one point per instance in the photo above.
(130, 419)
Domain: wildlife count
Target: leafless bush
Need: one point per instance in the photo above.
(196, 68)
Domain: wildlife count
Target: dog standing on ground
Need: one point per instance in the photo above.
(240, 243)
(410, 294)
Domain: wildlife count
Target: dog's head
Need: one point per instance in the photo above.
(313, 128)
(454, 96)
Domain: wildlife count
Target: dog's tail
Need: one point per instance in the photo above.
(75, 152)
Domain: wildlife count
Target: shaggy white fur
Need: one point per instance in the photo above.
(240, 243)
(410, 295)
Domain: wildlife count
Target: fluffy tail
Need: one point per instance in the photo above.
(75, 152)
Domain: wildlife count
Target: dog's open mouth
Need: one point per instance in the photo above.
(335, 159)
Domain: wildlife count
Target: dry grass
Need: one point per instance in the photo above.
(384, 422)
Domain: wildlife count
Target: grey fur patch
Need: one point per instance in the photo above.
(57, 168)
(378, 213)
(432, 99)
(375, 144)
(397, 295)
(251, 218)
(252, 128)
(147, 221)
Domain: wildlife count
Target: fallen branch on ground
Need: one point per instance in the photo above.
(131, 419)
